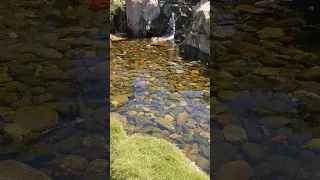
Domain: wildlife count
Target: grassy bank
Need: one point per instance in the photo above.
(139, 157)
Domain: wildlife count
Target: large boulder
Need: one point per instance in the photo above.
(199, 37)
(140, 15)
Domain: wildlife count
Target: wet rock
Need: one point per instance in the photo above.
(46, 37)
(95, 140)
(284, 165)
(253, 152)
(119, 100)
(222, 153)
(310, 74)
(42, 98)
(59, 45)
(203, 163)
(59, 107)
(166, 124)
(5, 78)
(139, 14)
(69, 145)
(17, 131)
(314, 144)
(272, 45)
(275, 121)
(74, 72)
(239, 168)
(266, 71)
(182, 118)
(219, 108)
(291, 51)
(39, 153)
(5, 112)
(227, 94)
(11, 169)
(74, 164)
(60, 90)
(234, 134)
(37, 118)
(142, 120)
(250, 9)
(263, 170)
(49, 53)
(93, 152)
(98, 165)
(119, 117)
(187, 138)
(93, 176)
(23, 102)
(51, 74)
(269, 33)
(9, 98)
(227, 119)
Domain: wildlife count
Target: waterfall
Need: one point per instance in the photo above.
(171, 30)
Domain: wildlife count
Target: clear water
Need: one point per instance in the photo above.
(264, 118)
(50, 54)
(159, 91)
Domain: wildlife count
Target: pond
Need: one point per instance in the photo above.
(54, 91)
(166, 96)
(265, 91)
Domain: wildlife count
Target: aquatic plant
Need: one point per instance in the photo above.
(145, 157)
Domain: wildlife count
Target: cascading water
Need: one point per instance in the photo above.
(170, 32)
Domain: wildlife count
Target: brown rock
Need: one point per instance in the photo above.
(239, 170)
(182, 118)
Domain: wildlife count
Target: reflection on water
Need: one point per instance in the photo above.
(53, 65)
(165, 96)
(265, 94)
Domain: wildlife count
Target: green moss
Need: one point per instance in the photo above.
(116, 4)
(144, 157)
(117, 132)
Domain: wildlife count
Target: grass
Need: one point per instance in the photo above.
(116, 131)
(142, 157)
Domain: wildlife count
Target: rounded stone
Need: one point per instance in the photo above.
(239, 169)
(234, 134)
(37, 118)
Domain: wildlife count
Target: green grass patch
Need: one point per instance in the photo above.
(117, 133)
(142, 157)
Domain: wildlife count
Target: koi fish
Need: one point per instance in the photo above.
(141, 61)
(99, 4)
(278, 139)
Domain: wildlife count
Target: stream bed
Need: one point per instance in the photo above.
(264, 94)
(166, 96)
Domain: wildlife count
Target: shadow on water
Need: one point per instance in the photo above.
(54, 99)
(265, 94)
(168, 97)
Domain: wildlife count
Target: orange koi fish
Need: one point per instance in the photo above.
(141, 61)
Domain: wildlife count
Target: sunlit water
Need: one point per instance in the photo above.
(50, 54)
(161, 91)
(265, 103)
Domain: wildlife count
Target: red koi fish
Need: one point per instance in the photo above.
(141, 61)
(97, 5)
(278, 139)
